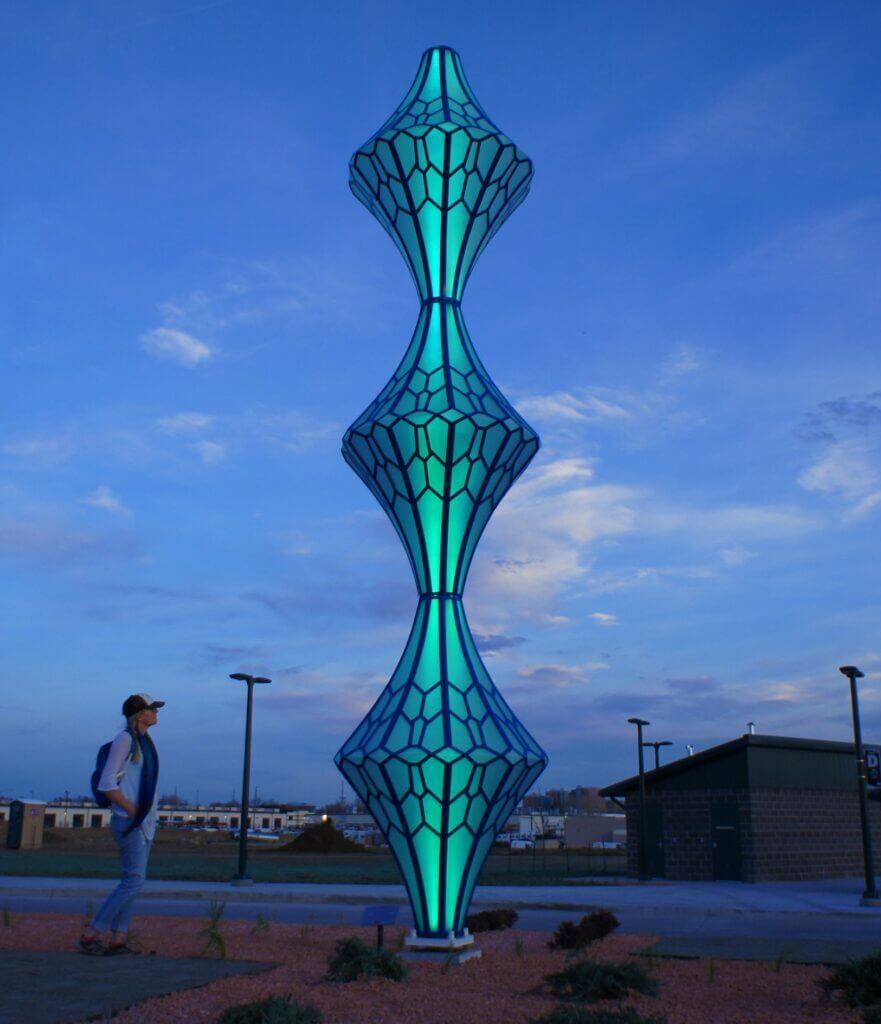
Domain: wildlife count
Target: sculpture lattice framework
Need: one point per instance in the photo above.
(440, 760)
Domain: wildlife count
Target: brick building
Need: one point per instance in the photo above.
(755, 809)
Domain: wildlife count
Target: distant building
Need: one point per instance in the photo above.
(601, 829)
(86, 814)
(755, 809)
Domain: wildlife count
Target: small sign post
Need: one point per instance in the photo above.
(380, 914)
(873, 766)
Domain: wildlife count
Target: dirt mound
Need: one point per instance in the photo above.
(322, 838)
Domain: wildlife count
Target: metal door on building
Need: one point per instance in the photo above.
(725, 839)
(654, 836)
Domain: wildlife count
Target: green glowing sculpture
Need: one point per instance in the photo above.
(440, 760)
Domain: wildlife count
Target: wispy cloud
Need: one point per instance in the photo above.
(40, 449)
(761, 113)
(54, 543)
(297, 431)
(646, 414)
(846, 434)
(604, 618)
(103, 498)
(491, 643)
(210, 452)
(177, 346)
(185, 423)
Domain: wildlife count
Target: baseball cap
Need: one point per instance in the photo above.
(140, 702)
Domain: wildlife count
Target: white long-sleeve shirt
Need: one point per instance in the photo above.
(125, 775)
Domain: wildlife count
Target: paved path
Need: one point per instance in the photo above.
(72, 987)
(779, 912)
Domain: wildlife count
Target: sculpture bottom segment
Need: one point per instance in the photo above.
(440, 762)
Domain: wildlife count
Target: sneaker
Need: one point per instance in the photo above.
(92, 946)
(120, 949)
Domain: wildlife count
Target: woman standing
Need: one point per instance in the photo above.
(129, 782)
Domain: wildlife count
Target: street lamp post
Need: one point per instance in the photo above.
(241, 876)
(870, 897)
(656, 744)
(643, 837)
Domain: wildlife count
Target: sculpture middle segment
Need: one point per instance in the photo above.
(440, 760)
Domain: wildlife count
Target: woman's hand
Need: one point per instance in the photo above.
(131, 809)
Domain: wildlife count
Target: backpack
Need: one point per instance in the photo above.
(100, 797)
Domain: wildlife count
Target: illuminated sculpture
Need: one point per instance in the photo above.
(440, 760)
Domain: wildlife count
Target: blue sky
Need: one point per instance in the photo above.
(687, 309)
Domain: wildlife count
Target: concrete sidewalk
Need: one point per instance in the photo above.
(836, 896)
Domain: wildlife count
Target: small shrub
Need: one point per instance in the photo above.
(518, 946)
(590, 928)
(274, 1010)
(7, 917)
(590, 980)
(858, 981)
(215, 944)
(581, 1015)
(491, 920)
(711, 970)
(261, 925)
(352, 958)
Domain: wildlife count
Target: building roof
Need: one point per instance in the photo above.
(746, 752)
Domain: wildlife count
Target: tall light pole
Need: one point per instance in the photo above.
(657, 744)
(643, 874)
(870, 897)
(241, 877)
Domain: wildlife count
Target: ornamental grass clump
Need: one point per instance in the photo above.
(491, 920)
(592, 927)
(858, 981)
(353, 959)
(273, 1010)
(215, 944)
(582, 1015)
(587, 981)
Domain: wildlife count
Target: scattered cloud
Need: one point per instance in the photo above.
(846, 435)
(489, 644)
(51, 543)
(40, 449)
(556, 676)
(210, 452)
(216, 654)
(761, 113)
(185, 423)
(604, 618)
(735, 555)
(683, 360)
(176, 346)
(103, 498)
(297, 431)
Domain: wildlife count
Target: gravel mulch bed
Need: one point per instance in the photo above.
(503, 987)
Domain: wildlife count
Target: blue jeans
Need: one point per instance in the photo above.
(134, 850)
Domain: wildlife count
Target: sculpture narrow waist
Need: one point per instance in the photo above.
(442, 299)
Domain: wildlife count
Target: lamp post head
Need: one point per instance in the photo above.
(638, 721)
(261, 679)
(666, 743)
(241, 677)
(851, 671)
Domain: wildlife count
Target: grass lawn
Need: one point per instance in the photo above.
(211, 857)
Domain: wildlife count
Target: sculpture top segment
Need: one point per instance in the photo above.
(440, 177)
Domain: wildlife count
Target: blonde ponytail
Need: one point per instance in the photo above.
(133, 725)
